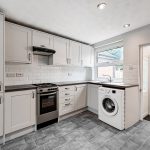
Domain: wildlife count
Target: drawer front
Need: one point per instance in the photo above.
(66, 88)
(66, 94)
(68, 99)
(66, 108)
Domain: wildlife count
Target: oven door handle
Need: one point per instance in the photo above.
(48, 94)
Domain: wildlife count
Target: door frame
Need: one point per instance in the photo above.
(141, 76)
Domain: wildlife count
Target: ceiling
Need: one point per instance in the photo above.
(79, 19)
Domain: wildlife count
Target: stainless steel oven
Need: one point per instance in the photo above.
(47, 105)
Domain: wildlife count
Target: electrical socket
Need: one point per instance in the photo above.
(10, 75)
(19, 74)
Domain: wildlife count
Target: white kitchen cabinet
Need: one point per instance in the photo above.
(80, 96)
(92, 98)
(75, 53)
(61, 48)
(1, 52)
(66, 99)
(20, 110)
(18, 43)
(87, 56)
(42, 39)
(1, 114)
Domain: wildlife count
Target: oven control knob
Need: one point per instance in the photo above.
(49, 89)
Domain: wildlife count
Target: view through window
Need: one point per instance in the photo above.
(110, 62)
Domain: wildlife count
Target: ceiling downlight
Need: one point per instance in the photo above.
(101, 6)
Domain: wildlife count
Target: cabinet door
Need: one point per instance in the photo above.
(92, 98)
(18, 43)
(87, 56)
(1, 114)
(1, 52)
(80, 97)
(42, 39)
(61, 48)
(20, 110)
(74, 53)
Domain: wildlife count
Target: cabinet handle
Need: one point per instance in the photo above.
(67, 104)
(33, 94)
(67, 94)
(29, 56)
(0, 86)
(67, 99)
(66, 88)
(81, 62)
(0, 99)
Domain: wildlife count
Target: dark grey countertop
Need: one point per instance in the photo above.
(104, 84)
(13, 88)
(30, 86)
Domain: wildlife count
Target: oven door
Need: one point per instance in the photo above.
(48, 103)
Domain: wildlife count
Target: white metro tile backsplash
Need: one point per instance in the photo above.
(40, 74)
(130, 74)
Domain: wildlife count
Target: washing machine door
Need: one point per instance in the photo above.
(109, 106)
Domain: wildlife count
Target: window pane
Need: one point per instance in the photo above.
(116, 72)
(105, 71)
(111, 56)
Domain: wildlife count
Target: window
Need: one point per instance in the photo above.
(110, 62)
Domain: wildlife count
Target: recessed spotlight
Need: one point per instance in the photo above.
(126, 26)
(101, 6)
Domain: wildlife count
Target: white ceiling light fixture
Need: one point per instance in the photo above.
(101, 6)
(126, 25)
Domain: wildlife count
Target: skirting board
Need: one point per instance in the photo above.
(71, 114)
(93, 110)
(19, 133)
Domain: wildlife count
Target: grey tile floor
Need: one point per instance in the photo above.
(84, 132)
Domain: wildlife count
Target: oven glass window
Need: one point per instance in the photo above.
(47, 103)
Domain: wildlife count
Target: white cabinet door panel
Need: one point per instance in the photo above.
(61, 48)
(19, 110)
(1, 52)
(18, 43)
(1, 114)
(42, 39)
(75, 57)
(80, 97)
(87, 56)
(92, 97)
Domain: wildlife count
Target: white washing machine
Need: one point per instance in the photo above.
(111, 107)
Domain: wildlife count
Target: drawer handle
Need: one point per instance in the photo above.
(67, 104)
(66, 88)
(67, 99)
(67, 94)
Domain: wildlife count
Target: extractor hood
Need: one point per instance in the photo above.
(42, 50)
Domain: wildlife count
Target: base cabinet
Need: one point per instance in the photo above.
(1, 114)
(92, 98)
(80, 97)
(72, 98)
(20, 110)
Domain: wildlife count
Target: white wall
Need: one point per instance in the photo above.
(37, 73)
(131, 40)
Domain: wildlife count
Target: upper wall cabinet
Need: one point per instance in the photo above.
(1, 53)
(74, 53)
(18, 43)
(87, 56)
(61, 48)
(42, 39)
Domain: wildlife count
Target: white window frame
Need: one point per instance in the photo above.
(105, 48)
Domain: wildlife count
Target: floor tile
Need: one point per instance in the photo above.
(84, 132)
